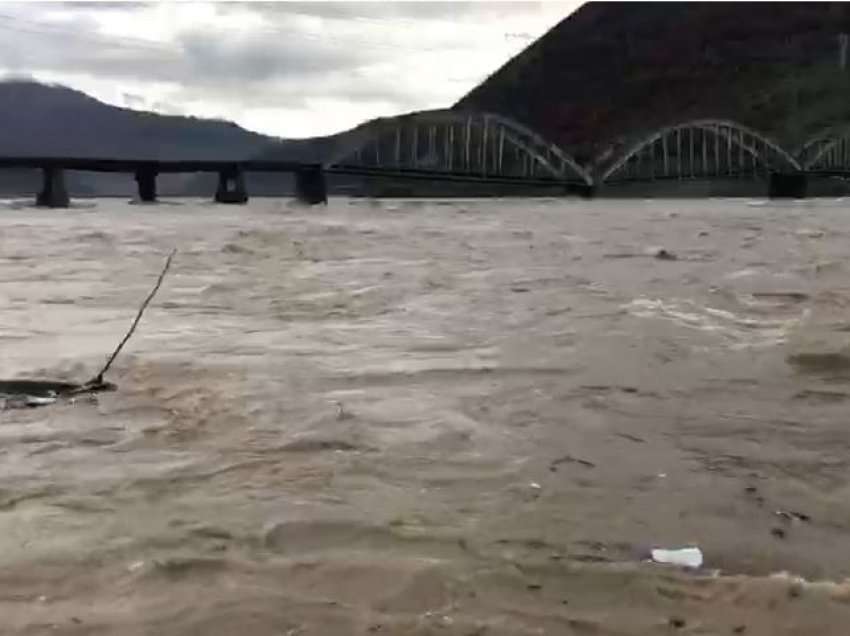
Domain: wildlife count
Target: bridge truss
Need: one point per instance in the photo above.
(699, 149)
(829, 151)
(457, 144)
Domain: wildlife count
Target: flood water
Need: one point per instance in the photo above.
(441, 417)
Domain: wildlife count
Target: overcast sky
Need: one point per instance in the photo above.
(292, 69)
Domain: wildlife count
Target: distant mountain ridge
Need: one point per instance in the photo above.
(51, 120)
(56, 121)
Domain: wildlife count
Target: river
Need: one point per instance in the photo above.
(428, 417)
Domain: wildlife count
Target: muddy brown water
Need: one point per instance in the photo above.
(465, 417)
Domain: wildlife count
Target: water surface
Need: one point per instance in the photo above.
(447, 417)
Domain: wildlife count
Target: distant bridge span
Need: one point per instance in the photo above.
(701, 148)
(827, 151)
(440, 145)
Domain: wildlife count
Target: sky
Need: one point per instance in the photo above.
(289, 69)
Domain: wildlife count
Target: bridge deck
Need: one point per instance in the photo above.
(95, 164)
(450, 176)
(310, 184)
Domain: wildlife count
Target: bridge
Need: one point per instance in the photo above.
(449, 146)
(704, 148)
(446, 145)
(435, 146)
(309, 178)
(712, 149)
(827, 153)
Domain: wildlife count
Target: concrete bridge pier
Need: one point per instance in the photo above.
(231, 187)
(146, 181)
(582, 190)
(787, 185)
(53, 193)
(310, 186)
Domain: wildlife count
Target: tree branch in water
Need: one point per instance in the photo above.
(98, 379)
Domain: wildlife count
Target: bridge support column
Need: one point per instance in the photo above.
(231, 187)
(53, 193)
(146, 180)
(787, 185)
(582, 190)
(310, 186)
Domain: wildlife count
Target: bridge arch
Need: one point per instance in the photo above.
(474, 143)
(828, 150)
(697, 149)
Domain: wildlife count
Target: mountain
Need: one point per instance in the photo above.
(50, 120)
(614, 70)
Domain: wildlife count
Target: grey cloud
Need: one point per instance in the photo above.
(82, 51)
(199, 57)
(101, 6)
(380, 10)
(299, 93)
(265, 68)
(371, 10)
(352, 53)
(267, 54)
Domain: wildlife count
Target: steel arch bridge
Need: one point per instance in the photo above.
(700, 149)
(464, 145)
(826, 151)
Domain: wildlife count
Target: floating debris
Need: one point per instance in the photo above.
(779, 533)
(553, 466)
(684, 557)
(795, 296)
(16, 394)
(22, 394)
(791, 516)
(665, 255)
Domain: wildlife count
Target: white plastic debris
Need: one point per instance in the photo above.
(684, 557)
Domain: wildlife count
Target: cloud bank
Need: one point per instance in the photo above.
(292, 69)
